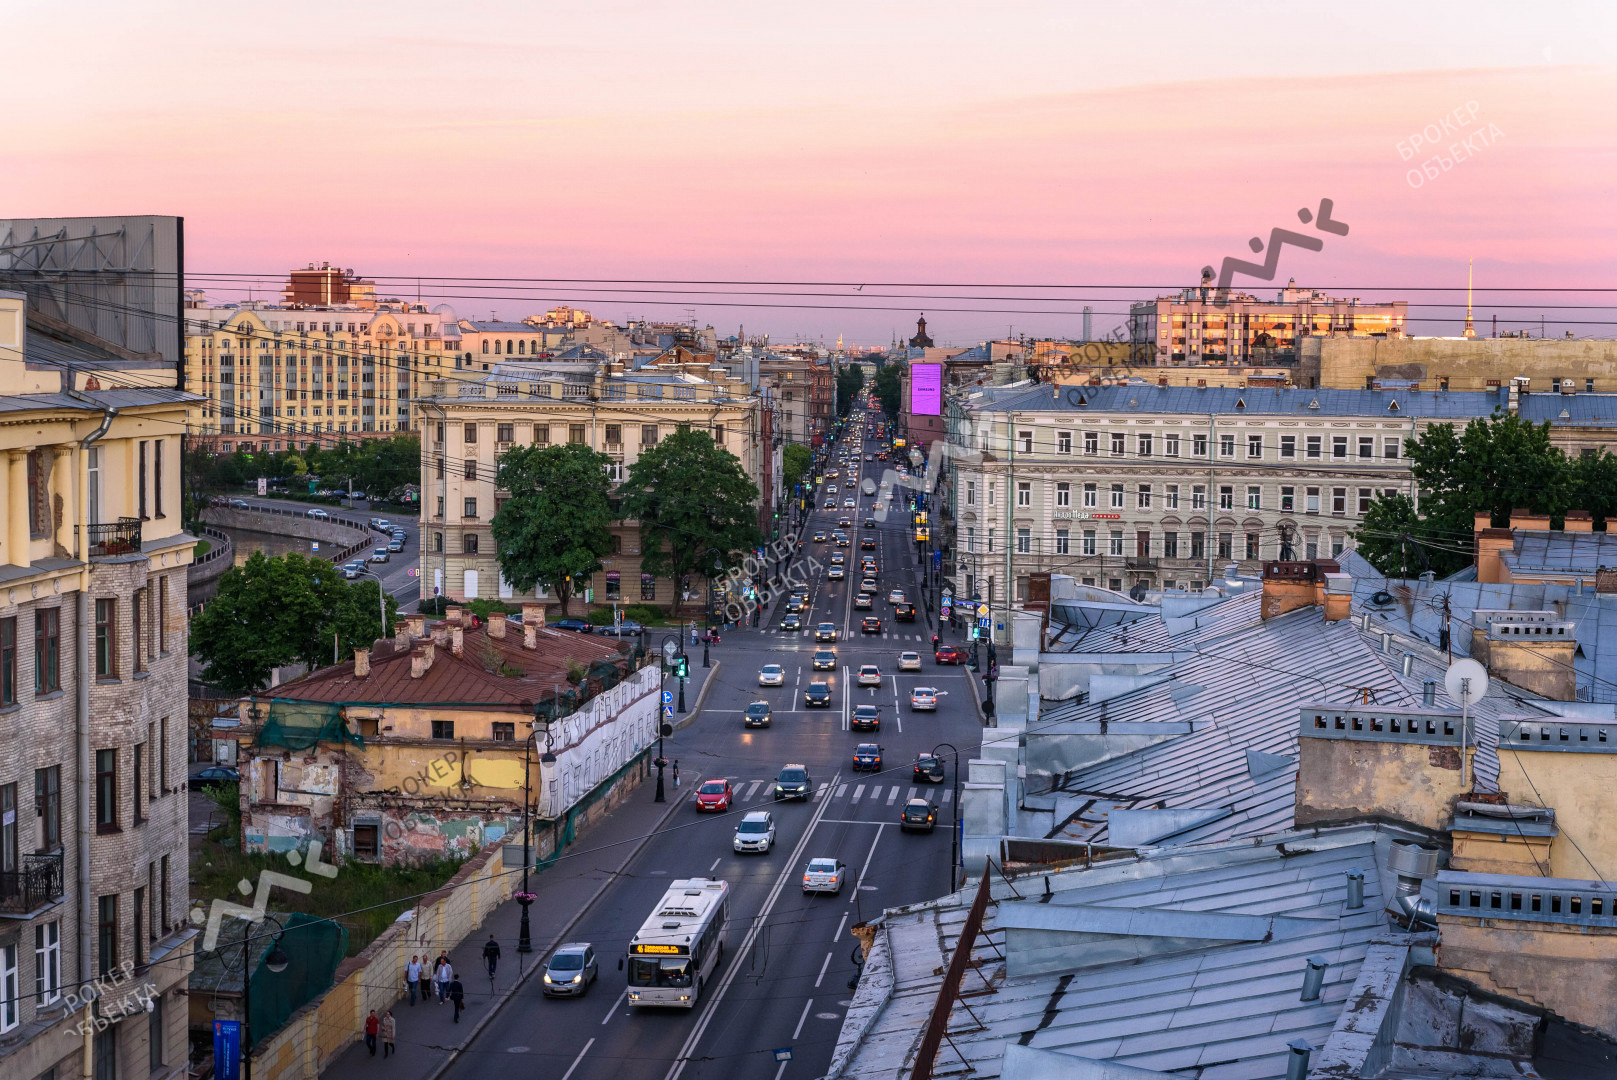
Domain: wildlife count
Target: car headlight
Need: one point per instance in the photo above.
(548, 978)
(578, 978)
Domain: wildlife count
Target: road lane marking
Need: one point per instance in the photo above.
(613, 1011)
(711, 1008)
(580, 1057)
(892, 796)
(820, 791)
(710, 869)
(817, 981)
(879, 826)
(842, 789)
(751, 791)
(834, 937)
(799, 1029)
(947, 794)
(911, 795)
(857, 792)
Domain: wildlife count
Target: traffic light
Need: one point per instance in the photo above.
(682, 667)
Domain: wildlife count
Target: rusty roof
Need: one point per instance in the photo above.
(490, 672)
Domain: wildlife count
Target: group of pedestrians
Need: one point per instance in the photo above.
(441, 981)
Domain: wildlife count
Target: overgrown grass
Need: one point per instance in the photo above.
(363, 897)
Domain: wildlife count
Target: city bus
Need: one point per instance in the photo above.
(677, 949)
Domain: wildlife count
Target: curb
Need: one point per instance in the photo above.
(701, 696)
(499, 1003)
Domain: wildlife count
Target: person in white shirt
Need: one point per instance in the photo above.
(412, 977)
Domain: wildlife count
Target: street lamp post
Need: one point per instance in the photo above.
(381, 600)
(276, 961)
(954, 831)
(525, 898)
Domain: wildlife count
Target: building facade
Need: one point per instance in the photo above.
(1165, 487)
(598, 404)
(93, 649)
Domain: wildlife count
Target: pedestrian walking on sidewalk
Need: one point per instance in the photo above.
(412, 977)
(457, 994)
(371, 1026)
(443, 976)
(390, 1028)
(676, 772)
(491, 955)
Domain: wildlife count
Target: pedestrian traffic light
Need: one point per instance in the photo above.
(682, 667)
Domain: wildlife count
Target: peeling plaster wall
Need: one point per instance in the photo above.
(1579, 786)
(1569, 970)
(1341, 778)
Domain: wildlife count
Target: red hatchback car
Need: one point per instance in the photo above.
(714, 795)
(948, 654)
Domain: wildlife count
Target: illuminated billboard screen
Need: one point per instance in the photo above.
(926, 389)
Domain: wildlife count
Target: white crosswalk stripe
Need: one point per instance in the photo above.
(841, 790)
(751, 791)
(875, 792)
(857, 792)
(820, 791)
(892, 796)
(947, 794)
(911, 795)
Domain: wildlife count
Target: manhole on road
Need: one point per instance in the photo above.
(828, 1016)
(845, 1004)
(516, 1049)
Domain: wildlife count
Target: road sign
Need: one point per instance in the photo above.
(982, 624)
(668, 697)
(947, 591)
(314, 545)
(948, 603)
(668, 710)
(412, 572)
(263, 486)
(982, 611)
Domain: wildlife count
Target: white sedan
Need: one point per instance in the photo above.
(909, 661)
(869, 675)
(824, 875)
(771, 675)
(924, 699)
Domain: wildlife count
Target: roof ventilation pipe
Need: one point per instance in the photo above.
(1355, 890)
(1386, 642)
(1297, 1060)
(1409, 663)
(1428, 693)
(1314, 977)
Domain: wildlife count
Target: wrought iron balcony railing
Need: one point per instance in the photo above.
(32, 886)
(121, 537)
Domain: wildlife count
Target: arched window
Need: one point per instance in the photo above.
(508, 346)
(496, 346)
(522, 346)
(485, 344)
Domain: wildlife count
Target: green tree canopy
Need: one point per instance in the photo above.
(556, 526)
(888, 388)
(796, 461)
(696, 506)
(850, 380)
(277, 610)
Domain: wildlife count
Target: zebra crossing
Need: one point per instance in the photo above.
(852, 635)
(852, 792)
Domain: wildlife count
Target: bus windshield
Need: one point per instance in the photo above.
(669, 971)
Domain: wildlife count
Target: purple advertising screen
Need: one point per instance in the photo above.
(926, 389)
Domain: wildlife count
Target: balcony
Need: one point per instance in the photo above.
(27, 891)
(1138, 563)
(109, 539)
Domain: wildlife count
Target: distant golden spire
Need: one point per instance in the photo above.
(1470, 331)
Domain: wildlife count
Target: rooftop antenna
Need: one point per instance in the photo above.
(1470, 331)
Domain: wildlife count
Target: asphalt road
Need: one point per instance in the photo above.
(784, 978)
(395, 574)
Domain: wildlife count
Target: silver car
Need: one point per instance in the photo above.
(380, 555)
(756, 832)
(571, 969)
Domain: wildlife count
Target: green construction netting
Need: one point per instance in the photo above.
(607, 672)
(298, 725)
(313, 947)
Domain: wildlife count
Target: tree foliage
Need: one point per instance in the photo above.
(377, 466)
(556, 526)
(888, 388)
(696, 506)
(278, 610)
(850, 380)
(796, 461)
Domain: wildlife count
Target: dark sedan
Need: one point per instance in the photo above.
(577, 625)
(215, 774)
(918, 815)
(757, 714)
(867, 756)
(866, 718)
(870, 624)
(817, 696)
(928, 769)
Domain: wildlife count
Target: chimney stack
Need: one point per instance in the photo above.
(496, 625)
(418, 626)
(452, 613)
(533, 614)
(420, 661)
(530, 636)
(362, 663)
(1579, 521)
(440, 634)
(457, 640)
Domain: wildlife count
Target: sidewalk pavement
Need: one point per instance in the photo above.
(428, 1038)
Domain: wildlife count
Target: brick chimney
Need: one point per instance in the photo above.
(1579, 521)
(420, 661)
(1337, 596)
(533, 614)
(1491, 542)
(440, 634)
(1527, 521)
(530, 635)
(1288, 586)
(362, 663)
(496, 626)
(418, 627)
(457, 640)
(452, 613)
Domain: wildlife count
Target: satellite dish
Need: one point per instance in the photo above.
(1466, 682)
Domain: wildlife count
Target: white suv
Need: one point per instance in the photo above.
(756, 832)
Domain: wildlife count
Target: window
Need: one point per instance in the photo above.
(1198, 545)
(1288, 447)
(1091, 442)
(1170, 445)
(1252, 545)
(106, 790)
(106, 631)
(1117, 497)
(1254, 497)
(10, 992)
(1063, 542)
(614, 582)
(47, 962)
(1024, 442)
(107, 933)
(468, 544)
(1288, 500)
(1024, 541)
(137, 934)
(1254, 446)
(1170, 545)
(1336, 546)
(990, 493)
(990, 540)
(1063, 495)
(1226, 497)
(8, 662)
(48, 807)
(470, 471)
(153, 791)
(1090, 495)
(971, 539)
(142, 480)
(541, 434)
(1063, 442)
(470, 433)
(1170, 496)
(1117, 444)
(1144, 444)
(94, 468)
(1339, 500)
(365, 837)
(1365, 497)
(1198, 497)
(1339, 445)
(575, 434)
(1089, 541)
(1024, 493)
(1114, 544)
(1142, 497)
(614, 434)
(971, 493)
(137, 796)
(469, 508)
(1225, 545)
(1311, 447)
(1367, 447)
(443, 729)
(162, 615)
(137, 612)
(1142, 544)
(154, 1034)
(47, 651)
(10, 855)
(504, 432)
(1226, 446)
(1311, 500)
(1198, 445)
(1389, 448)
(504, 732)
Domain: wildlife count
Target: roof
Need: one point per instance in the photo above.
(481, 675)
(1561, 552)
(1186, 960)
(1284, 401)
(500, 326)
(90, 400)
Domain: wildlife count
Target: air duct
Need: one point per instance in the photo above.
(1409, 664)
(1314, 977)
(1428, 693)
(1297, 1060)
(1355, 890)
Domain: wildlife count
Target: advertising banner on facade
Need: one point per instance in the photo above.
(926, 389)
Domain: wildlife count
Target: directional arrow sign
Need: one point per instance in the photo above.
(668, 697)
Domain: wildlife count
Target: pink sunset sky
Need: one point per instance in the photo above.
(1065, 153)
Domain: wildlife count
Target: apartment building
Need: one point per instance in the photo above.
(93, 631)
(1164, 487)
(276, 377)
(597, 403)
(1197, 326)
(489, 342)
(804, 393)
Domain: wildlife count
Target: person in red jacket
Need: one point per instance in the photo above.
(372, 1026)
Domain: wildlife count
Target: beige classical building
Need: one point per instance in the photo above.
(600, 404)
(93, 631)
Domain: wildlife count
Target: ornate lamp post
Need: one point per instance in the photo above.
(954, 831)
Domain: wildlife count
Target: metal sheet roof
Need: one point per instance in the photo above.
(1187, 400)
